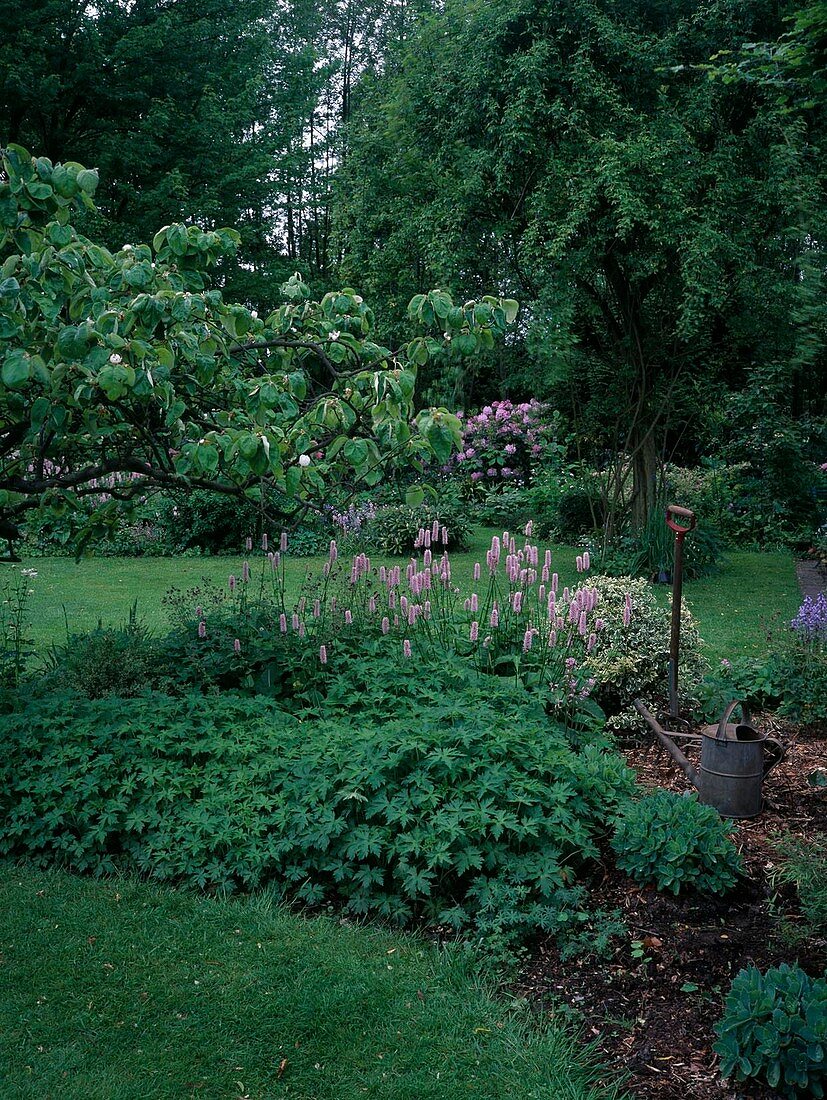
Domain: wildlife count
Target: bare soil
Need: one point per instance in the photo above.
(651, 1007)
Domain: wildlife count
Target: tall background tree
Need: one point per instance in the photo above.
(664, 230)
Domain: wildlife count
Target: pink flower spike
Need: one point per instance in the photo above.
(348, 616)
(476, 570)
(627, 616)
(579, 563)
(317, 608)
(302, 630)
(552, 639)
(435, 530)
(475, 629)
(412, 610)
(517, 602)
(232, 583)
(587, 561)
(323, 654)
(474, 601)
(372, 605)
(334, 550)
(202, 629)
(248, 544)
(494, 621)
(386, 625)
(591, 642)
(427, 558)
(406, 648)
(427, 538)
(582, 625)
(600, 624)
(529, 527)
(443, 536)
(276, 559)
(237, 645)
(245, 571)
(528, 639)
(295, 621)
(283, 542)
(283, 623)
(265, 542)
(555, 582)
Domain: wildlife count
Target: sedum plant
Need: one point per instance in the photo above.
(774, 1027)
(675, 843)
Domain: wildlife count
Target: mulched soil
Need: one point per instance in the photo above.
(653, 1017)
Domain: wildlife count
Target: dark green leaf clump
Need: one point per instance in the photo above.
(396, 527)
(432, 815)
(676, 843)
(775, 1027)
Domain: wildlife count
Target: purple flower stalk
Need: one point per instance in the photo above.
(283, 623)
(232, 582)
(248, 544)
(245, 571)
(385, 624)
(323, 654)
(348, 617)
(406, 648)
(475, 629)
(810, 623)
(265, 542)
(283, 542)
(202, 629)
(237, 645)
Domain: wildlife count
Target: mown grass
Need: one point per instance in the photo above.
(112, 990)
(731, 607)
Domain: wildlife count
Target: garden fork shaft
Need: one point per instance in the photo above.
(681, 532)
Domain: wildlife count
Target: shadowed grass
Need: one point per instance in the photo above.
(113, 990)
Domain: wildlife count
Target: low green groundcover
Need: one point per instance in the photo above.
(112, 990)
(469, 807)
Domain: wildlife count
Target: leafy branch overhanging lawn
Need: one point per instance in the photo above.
(111, 989)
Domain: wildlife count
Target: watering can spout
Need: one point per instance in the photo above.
(667, 742)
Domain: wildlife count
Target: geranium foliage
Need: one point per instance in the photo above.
(129, 369)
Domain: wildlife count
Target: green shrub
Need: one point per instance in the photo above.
(803, 864)
(676, 842)
(580, 510)
(107, 661)
(775, 1027)
(472, 793)
(632, 660)
(395, 527)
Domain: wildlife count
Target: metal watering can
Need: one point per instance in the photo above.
(735, 756)
(735, 760)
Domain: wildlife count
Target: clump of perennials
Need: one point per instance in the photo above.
(516, 620)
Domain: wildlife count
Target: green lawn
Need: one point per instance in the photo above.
(731, 606)
(114, 990)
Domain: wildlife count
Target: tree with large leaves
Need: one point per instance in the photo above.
(122, 372)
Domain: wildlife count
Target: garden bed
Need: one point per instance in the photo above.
(651, 1008)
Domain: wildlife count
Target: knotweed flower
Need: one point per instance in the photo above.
(295, 621)
(248, 544)
(302, 630)
(283, 623)
(529, 527)
(517, 602)
(372, 605)
(265, 542)
(245, 571)
(386, 625)
(476, 570)
(202, 629)
(283, 542)
(323, 654)
(475, 628)
(494, 621)
(406, 647)
(232, 582)
(237, 645)
(348, 617)
(317, 608)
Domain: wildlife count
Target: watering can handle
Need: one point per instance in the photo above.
(725, 717)
(777, 753)
(685, 513)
